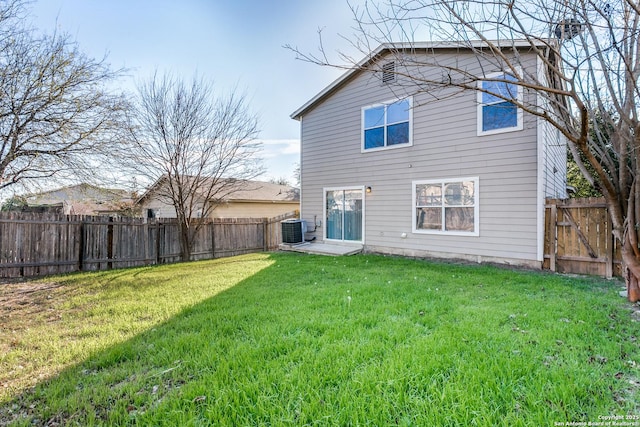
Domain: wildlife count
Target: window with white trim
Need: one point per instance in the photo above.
(496, 112)
(448, 206)
(387, 125)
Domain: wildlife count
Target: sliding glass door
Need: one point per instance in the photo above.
(344, 209)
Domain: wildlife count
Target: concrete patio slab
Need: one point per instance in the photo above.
(322, 248)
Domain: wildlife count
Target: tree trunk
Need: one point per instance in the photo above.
(185, 242)
(631, 273)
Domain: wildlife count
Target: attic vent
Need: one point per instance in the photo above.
(389, 72)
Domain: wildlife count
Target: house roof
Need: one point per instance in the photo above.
(257, 191)
(248, 191)
(77, 192)
(404, 46)
(81, 198)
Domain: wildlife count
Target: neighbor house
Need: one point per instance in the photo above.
(81, 199)
(250, 199)
(450, 174)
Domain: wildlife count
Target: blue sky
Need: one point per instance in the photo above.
(236, 43)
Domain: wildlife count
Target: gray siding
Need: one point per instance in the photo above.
(553, 151)
(445, 145)
(555, 162)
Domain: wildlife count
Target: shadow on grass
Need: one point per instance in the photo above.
(85, 393)
(361, 339)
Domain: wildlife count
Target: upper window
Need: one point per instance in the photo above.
(496, 113)
(446, 206)
(386, 125)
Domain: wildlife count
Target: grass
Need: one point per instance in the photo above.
(291, 339)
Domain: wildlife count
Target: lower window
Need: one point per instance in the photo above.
(447, 206)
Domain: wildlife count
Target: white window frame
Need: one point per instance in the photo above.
(476, 207)
(519, 123)
(386, 147)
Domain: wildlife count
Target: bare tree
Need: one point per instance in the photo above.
(296, 175)
(589, 50)
(199, 147)
(281, 180)
(56, 116)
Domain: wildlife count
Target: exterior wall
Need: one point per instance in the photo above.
(253, 209)
(555, 162)
(553, 147)
(445, 145)
(160, 209)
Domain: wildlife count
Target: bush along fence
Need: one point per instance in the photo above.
(34, 244)
(578, 238)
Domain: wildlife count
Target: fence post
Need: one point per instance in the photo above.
(265, 234)
(145, 239)
(553, 222)
(81, 245)
(611, 240)
(158, 228)
(213, 238)
(110, 244)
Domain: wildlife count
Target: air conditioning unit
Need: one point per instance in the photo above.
(293, 231)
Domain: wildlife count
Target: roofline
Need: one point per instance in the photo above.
(159, 181)
(68, 187)
(151, 188)
(468, 44)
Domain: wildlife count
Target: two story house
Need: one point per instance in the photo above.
(390, 167)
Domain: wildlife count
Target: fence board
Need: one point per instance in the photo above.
(237, 236)
(37, 244)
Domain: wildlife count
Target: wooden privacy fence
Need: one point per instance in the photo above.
(33, 244)
(578, 238)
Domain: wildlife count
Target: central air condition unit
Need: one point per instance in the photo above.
(293, 231)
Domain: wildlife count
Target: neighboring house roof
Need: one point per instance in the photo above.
(405, 46)
(248, 191)
(82, 199)
(257, 191)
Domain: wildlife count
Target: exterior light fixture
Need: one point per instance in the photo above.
(368, 189)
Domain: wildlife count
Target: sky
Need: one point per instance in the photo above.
(238, 44)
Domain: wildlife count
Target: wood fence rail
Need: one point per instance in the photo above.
(37, 244)
(578, 238)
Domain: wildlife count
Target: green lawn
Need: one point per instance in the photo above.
(292, 339)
